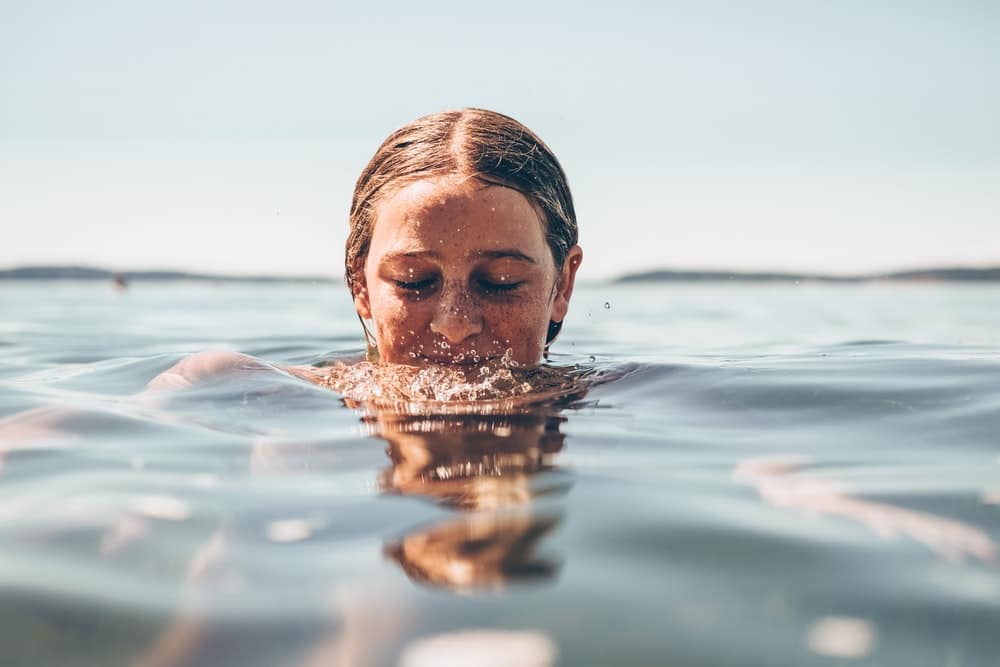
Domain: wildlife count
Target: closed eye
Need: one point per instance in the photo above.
(490, 287)
(415, 285)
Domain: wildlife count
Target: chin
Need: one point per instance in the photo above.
(461, 357)
(459, 360)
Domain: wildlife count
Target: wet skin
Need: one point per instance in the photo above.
(458, 272)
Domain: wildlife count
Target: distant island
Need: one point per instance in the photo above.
(918, 275)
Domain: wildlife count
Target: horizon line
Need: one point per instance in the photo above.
(91, 272)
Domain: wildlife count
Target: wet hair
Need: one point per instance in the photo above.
(475, 143)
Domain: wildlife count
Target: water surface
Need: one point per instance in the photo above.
(777, 474)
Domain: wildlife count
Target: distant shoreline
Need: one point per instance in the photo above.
(945, 274)
(85, 273)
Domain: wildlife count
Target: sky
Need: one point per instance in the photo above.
(836, 136)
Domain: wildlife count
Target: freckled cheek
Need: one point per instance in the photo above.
(399, 323)
(521, 328)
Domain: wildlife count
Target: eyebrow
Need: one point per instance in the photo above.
(503, 253)
(506, 253)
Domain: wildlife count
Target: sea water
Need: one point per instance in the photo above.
(750, 475)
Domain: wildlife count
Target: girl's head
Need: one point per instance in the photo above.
(463, 241)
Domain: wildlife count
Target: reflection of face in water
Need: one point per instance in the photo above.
(490, 466)
(471, 462)
(484, 445)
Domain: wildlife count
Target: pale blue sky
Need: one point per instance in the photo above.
(226, 136)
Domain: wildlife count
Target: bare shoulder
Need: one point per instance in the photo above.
(203, 366)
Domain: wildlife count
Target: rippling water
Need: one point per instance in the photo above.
(756, 475)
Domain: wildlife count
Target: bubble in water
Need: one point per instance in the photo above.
(507, 360)
(607, 305)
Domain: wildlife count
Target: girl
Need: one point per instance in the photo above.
(462, 250)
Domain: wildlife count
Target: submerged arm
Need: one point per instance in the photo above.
(779, 482)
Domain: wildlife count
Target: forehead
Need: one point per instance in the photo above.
(463, 213)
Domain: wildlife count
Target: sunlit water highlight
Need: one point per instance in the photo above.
(703, 475)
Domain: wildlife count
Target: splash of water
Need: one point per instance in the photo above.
(495, 386)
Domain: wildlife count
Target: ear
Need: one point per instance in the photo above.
(361, 302)
(565, 282)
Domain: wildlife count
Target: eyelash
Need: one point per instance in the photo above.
(490, 287)
(485, 286)
(415, 286)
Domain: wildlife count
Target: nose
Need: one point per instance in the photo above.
(457, 316)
